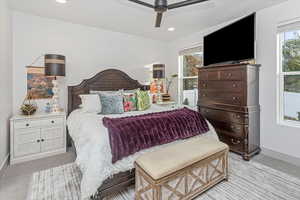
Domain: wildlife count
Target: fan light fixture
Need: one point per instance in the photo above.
(161, 6)
(62, 1)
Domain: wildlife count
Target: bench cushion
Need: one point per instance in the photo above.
(165, 161)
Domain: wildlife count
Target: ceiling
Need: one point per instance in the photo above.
(127, 17)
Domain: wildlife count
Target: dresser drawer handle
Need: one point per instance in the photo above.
(235, 128)
(235, 142)
(235, 98)
(229, 74)
(234, 85)
(52, 122)
(27, 125)
(38, 141)
(204, 95)
(204, 85)
(42, 140)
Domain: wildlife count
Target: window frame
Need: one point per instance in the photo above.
(181, 78)
(280, 84)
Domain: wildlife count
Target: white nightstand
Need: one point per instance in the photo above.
(37, 136)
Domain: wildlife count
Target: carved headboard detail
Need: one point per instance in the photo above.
(107, 80)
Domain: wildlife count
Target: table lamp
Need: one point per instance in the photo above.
(54, 67)
(158, 74)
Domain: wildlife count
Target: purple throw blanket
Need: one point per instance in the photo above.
(129, 135)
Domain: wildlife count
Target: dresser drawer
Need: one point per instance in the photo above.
(230, 129)
(235, 144)
(231, 75)
(220, 98)
(221, 86)
(52, 121)
(52, 133)
(225, 116)
(209, 75)
(27, 124)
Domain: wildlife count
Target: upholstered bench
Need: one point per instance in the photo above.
(181, 171)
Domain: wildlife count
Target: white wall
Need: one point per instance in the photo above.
(88, 50)
(6, 78)
(273, 136)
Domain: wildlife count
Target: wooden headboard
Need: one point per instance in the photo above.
(107, 80)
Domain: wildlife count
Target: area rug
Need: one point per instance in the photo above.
(248, 181)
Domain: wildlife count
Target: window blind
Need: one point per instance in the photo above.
(289, 26)
(191, 51)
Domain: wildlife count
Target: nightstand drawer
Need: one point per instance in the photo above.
(49, 145)
(52, 121)
(27, 149)
(27, 124)
(52, 133)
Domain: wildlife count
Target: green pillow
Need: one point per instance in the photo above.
(143, 100)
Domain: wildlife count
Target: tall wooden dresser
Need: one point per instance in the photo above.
(229, 99)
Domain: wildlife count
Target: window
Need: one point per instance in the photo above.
(289, 76)
(189, 60)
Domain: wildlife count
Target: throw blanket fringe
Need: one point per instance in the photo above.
(129, 135)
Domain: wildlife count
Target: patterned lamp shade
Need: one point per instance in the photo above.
(55, 65)
(158, 71)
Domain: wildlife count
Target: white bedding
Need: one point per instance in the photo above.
(93, 149)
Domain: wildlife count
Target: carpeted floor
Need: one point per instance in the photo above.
(248, 181)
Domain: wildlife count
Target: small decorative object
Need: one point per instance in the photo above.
(48, 108)
(169, 81)
(29, 106)
(54, 67)
(185, 102)
(158, 74)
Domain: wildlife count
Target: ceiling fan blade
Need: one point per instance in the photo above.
(158, 19)
(184, 3)
(142, 3)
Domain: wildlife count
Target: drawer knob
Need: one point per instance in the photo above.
(27, 124)
(204, 95)
(38, 141)
(238, 117)
(235, 98)
(52, 122)
(42, 140)
(234, 85)
(235, 142)
(229, 74)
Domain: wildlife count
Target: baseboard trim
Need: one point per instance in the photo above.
(4, 165)
(281, 156)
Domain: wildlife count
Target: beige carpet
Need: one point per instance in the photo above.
(248, 181)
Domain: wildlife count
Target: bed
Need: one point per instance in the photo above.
(100, 177)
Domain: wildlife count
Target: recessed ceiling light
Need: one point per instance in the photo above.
(61, 1)
(171, 29)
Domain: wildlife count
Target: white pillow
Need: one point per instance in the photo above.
(91, 103)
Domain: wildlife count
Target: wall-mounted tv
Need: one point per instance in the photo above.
(233, 43)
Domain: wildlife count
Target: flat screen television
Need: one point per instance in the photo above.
(233, 44)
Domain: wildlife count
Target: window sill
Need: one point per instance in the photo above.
(289, 123)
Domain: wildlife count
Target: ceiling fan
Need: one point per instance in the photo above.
(161, 6)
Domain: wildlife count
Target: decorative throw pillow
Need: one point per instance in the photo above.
(111, 103)
(90, 103)
(130, 102)
(143, 99)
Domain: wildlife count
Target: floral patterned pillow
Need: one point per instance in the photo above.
(143, 99)
(130, 102)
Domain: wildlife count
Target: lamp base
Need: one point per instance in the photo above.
(55, 97)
